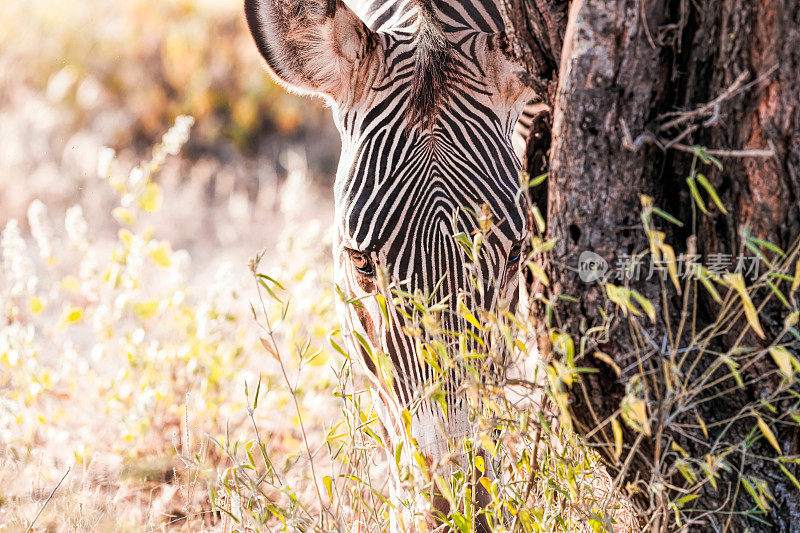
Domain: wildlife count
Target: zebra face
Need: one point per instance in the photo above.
(426, 108)
(403, 193)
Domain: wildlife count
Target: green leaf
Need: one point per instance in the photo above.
(538, 180)
(666, 216)
(271, 279)
(768, 245)
(258, 389)
(337, 347)
(690, 181)
(683, 500)
(539, 219)
(790, 476)
(777, 292)
(701, 179)
(702, 153)
(705, 277)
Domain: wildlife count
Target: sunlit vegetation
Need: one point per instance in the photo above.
(147, 382)
(148, 61)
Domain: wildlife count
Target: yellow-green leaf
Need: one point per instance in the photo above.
(469, 317)
(690, 181)
(539, 219)
(609, 361)
(564, 344)
(678, 448)
(757, 497)
(152, 198)
(783, 359)
(123, 215)
(539, 273)
(385, 366)
(622, 297)
(617, 429)
(768, 434)
(672, 265)
(705, 276)
(701, 179)
(161, 254)
(702, 424)
(791, 476)
(479, 464)
(72, 315)
(146, 309)
(645, 304)
(489, 444)
(36, 305)
(796, 282)
(444, 489)
(737, 282)
(328, 485)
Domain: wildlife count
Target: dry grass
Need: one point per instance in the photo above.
(130, 356)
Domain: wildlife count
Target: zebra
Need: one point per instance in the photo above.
(426, 95)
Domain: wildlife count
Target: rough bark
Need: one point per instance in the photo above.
(536, 29)
(732, 70)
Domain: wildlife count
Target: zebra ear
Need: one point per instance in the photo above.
(313, 46)
(507, 70)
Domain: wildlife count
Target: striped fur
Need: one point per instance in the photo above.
(426, 115)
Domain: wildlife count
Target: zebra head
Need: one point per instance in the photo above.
(426, 96)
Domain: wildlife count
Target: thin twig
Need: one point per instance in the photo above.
(713, 106)
(704, 109)
(52, 492)
(720, 152)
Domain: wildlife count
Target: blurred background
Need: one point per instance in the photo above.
(75, 77)
(127, 334)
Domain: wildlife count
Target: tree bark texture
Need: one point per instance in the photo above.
(639, 83)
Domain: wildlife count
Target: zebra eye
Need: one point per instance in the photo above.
(362, 262)
(514, 255)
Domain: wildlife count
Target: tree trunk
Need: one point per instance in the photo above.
(640, 85)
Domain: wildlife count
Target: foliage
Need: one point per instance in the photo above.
(699, 459)
(136, 65)
(116, 357)
(519, 450)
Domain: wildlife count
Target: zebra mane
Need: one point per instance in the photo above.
(433, 68)
(436, 62)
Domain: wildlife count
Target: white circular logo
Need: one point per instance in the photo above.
(591, 267)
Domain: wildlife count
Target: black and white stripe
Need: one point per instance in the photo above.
(399, 186)
(426, 97)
